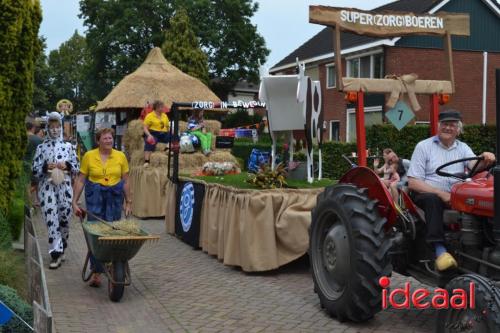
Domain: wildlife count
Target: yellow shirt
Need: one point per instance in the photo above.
(107, 174)
(157, 124)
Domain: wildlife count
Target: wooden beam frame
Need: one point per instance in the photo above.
(391, 24)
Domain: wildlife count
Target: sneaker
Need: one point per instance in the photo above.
(55, 263)
(146, 165)
(95, 280)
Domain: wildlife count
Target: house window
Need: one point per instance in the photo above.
(334, 130)
(368, 66)
(373, 115)
(331, 77)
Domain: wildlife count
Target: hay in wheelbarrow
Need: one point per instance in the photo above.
(120, 228)
(109, 246)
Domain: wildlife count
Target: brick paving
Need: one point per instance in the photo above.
(178, 289)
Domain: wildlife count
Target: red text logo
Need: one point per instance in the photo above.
(422, 298)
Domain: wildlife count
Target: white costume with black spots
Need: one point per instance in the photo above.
(55, 200)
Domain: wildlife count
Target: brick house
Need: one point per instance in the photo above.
(475, 59)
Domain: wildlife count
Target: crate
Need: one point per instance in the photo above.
(227, 132)
(224, 142)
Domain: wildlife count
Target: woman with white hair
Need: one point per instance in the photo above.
(54, 163)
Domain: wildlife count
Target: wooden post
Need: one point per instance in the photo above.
(338, 58)
(360, 129)
(42, 321)
(449, 57)
(434, 113)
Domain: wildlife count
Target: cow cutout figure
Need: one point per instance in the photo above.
(294, 103)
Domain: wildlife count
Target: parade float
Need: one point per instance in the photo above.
(255, 229)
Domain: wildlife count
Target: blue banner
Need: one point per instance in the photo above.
(5, 313)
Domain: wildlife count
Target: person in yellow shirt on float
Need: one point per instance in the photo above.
(156, 129)
(104, 175)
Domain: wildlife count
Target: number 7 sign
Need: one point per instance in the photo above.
(400, 115)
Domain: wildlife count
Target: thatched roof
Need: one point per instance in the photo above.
(156, 79)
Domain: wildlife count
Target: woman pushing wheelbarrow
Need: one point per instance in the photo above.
(104, 175)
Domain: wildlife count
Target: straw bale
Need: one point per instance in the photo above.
(133, 137)
(213, 126)
(160, 146)
(137, 158)
(221, 156)
(158, 159)
(182, 126)
(156, 79)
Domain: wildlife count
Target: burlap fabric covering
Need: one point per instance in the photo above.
(257, 230)
(148, 184)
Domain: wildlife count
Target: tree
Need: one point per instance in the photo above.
(19, 49)
(69, 70)
(181, 47)
(119, 36)
(42, 88)
(232, 42)
(121, 33)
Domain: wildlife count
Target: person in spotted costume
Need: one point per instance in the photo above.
(54, 163)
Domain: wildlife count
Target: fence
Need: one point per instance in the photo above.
(38, 293)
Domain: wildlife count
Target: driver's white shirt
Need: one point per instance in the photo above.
(430, 153)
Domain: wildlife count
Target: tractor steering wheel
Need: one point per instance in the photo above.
(460, 175)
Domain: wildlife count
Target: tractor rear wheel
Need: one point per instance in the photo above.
(349, 252)
(485, 317)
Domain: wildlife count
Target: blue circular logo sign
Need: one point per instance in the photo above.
(187, 206)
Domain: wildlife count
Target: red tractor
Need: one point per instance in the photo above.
(359, 235)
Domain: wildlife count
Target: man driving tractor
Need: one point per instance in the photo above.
(430, 191)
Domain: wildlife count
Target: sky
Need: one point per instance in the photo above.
(284, 24)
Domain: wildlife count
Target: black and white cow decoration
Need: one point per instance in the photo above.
(309, 94)
(293, 102)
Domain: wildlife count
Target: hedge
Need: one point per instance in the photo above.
(12, 271)
(20, 307)
(19, 47)
(479, 138)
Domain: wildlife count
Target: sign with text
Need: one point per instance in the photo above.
(390, 23)
(400, 115)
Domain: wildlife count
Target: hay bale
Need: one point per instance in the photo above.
(158, 160)
(190, 161)
(222, 156)
(133, 136)
(161, 146)
(137, 158)
(182, 126)
(213, 126)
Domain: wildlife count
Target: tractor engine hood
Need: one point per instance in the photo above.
(474, 197)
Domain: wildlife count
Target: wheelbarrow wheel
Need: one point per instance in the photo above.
(115, 290)
(86, 271)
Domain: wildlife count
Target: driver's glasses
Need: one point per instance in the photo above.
(451, 124)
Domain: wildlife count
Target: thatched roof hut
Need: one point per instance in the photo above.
(155, 79)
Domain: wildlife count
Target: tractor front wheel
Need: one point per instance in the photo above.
(349, 252)
(484, 317)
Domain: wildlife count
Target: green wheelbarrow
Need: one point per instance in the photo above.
(113, 252)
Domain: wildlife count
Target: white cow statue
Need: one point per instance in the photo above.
(294, 103)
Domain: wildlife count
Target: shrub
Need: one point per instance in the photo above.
(480, 138)
(12, 271)
(20, 307)
(240, 118)
(16, 217)
(5, 234)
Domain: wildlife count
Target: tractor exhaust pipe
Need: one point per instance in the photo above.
(496, 168)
